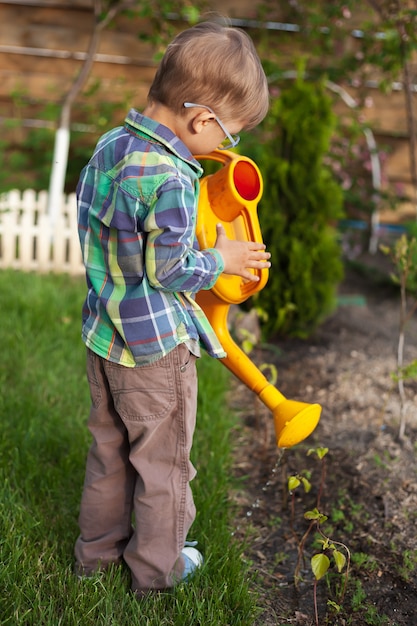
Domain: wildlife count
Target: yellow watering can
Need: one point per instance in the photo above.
(231, 196)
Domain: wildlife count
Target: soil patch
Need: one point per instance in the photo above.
(369, 493)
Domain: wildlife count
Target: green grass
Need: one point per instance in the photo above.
(44, 404)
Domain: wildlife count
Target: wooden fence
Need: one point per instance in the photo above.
(30, 240)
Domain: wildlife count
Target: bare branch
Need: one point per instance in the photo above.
(99, 25)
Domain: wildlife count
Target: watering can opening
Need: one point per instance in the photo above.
(294, 421)
(246, 180)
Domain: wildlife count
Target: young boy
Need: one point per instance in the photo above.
(137, 203)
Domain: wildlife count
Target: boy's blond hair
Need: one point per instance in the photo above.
(216, 66)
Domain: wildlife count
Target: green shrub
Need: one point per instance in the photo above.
(299, 209)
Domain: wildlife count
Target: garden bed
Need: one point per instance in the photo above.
(370, 486)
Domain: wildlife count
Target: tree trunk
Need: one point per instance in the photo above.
(62, 135)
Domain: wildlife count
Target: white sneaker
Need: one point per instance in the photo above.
(193, 559)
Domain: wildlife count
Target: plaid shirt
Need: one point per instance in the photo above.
(137, 203)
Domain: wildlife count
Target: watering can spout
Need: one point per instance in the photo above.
(294, 421)
(230, 196)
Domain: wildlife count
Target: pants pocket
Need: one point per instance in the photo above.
(142, 393)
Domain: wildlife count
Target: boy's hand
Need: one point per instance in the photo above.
(240, 256)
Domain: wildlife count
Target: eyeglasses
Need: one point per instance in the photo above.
(231, 141)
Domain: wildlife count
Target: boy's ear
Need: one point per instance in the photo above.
(199, 121)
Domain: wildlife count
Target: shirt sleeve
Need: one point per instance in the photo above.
(173, 262)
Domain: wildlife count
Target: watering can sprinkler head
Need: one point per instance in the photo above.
(230, 196)
(294, 421)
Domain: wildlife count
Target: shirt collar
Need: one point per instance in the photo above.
(154, 131)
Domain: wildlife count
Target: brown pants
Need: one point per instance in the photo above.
(142, 420)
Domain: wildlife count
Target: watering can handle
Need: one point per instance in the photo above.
(230, 196)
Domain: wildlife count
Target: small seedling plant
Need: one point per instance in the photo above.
(404, 257)
(331, 550)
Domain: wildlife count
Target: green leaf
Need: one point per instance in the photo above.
(315, 514)
(326, 543)
(320, 563)
(293, 483)
(321, 452)
(306, 484)
(340, 560)
(247, 346)
(191, 14)
(272, 370)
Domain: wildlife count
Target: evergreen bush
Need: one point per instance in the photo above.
(299, 209)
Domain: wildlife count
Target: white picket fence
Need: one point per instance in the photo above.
(31, 240)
